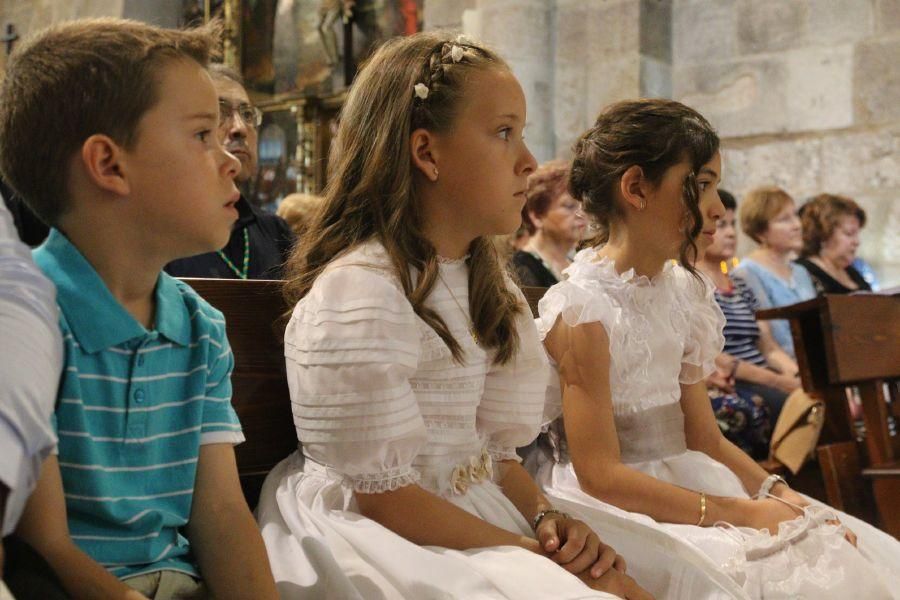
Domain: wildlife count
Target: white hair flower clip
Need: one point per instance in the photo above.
(456, 53)
(421, 90)
(464, 39)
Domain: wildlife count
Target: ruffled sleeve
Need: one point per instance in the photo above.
(704, 338)
(512, 407)
(351, 347)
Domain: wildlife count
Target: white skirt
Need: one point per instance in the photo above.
(320, 547)
(806, 559)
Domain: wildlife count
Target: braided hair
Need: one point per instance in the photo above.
(372, 192)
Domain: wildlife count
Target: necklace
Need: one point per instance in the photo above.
(468, 317)
(242, 274)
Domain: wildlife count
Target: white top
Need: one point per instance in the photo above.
(376, 394)
(30, 365)
(662, 332)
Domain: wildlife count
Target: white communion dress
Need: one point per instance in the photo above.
(379, 403)
(665, 332)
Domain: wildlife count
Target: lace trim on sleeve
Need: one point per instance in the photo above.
(499, 452)
(386, 481)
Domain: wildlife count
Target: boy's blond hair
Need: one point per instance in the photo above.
(75, 80)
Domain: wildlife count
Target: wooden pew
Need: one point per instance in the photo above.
(853, 340)
(253, 311)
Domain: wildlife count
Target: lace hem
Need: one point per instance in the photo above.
(387, 481)
(499, 453)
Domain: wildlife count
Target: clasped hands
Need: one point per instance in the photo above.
(574, 546)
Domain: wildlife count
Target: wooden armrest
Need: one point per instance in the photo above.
(891, 469)
(773, 467)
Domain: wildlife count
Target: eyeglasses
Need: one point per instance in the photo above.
(249, 114)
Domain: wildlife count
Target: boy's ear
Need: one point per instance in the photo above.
(102, 159)
(634, 187)
(421, 144)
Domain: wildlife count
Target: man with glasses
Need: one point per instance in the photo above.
(260, 242)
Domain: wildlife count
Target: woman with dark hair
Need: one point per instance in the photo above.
(555, 223)
(831, 226)
(752, 364)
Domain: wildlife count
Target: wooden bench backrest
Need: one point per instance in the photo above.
(260, 395)
(533, 295)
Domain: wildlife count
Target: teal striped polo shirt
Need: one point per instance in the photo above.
(134, 407)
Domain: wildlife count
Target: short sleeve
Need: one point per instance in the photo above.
(351, 347)
(752, 281)
(575, 305)
(512, 407)
(220, 421)
(705, 339)
(747, 295)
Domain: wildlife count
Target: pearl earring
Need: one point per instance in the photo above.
(435, 172)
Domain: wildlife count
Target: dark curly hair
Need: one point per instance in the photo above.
(654, 134)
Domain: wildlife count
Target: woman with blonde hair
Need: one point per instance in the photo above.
(769, 216)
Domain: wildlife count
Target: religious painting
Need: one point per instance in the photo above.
(277, 173)
(312, 47)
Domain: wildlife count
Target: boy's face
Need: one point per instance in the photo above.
(181, 179)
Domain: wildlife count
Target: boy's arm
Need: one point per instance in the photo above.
(223, 533)
(44, 527)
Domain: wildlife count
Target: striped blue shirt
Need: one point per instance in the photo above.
(741, 331)
(134, 407)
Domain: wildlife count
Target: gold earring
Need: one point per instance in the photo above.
(435, 172)
(643, 204)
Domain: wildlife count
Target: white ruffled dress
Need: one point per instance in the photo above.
(665, 332)
(378, 404)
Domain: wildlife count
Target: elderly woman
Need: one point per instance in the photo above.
(769, 216)
(752, 363)
(831, 226)
(554, 220)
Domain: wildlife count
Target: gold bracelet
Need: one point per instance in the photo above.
(702, 509)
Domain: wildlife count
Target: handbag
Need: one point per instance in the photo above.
(797, 430)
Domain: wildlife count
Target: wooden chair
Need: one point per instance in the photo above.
(853, 340)
(253, 310)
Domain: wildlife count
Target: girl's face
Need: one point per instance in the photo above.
(669, 208)
(840, 248)
(784, 233)
(724, 240)
(710, 205)
(483, 160)
(563, 221)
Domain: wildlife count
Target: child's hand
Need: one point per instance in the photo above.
(618, 584)
(573, 545)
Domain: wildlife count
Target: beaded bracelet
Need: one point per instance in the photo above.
(538, 517)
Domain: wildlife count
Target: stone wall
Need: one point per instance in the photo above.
(31, 15)
(806, 95)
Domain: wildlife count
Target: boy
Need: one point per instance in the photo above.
(107, 129)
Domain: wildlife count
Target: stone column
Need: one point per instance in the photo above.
(605, 52)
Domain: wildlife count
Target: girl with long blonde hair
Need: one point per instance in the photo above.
(414, 367)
